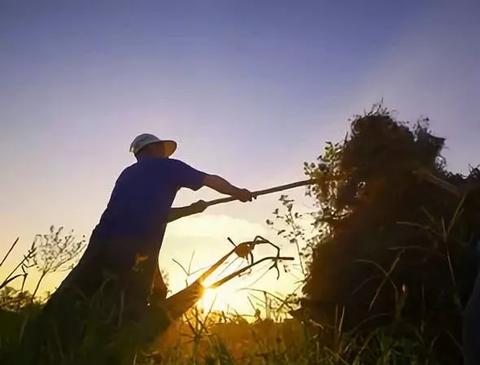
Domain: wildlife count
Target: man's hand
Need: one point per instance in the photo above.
(177, 213)
(244, 195)
(198, 207)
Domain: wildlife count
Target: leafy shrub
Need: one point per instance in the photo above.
(390, 247)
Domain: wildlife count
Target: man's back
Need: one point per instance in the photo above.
(142, 198)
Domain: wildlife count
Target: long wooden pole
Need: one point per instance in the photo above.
(428, 176)
(265, 191)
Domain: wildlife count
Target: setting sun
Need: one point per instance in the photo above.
(228, 300)
(213, 299)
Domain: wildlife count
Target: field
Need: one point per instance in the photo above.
(217, 338)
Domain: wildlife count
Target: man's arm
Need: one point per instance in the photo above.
(186, 176)
(216, 183)
(224, 187)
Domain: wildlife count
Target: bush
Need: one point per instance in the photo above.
(391, 248)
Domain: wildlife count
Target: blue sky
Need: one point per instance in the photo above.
(250, 89)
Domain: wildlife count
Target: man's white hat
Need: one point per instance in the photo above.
(145, 139)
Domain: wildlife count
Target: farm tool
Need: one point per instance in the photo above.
(265, 191)
(179, 303)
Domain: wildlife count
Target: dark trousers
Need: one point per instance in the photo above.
(106, 292)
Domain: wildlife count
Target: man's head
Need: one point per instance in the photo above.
(148, 145)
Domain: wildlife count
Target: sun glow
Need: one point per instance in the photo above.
(219, 299)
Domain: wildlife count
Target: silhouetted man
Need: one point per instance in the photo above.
(131, 229)
(121, 258)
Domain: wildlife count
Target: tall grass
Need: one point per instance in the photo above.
(203, 336)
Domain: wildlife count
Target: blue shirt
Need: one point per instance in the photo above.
(142, 198)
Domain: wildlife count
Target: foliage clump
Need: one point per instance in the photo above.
(392, 242)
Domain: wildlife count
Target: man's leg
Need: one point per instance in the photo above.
(58, 330)
(54, 335)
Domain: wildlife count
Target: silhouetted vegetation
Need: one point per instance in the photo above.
(393, 250)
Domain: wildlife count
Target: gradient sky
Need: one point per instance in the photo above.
(249, 89)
